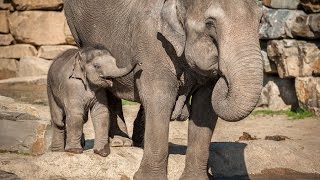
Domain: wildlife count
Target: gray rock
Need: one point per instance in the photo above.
(308, 93)
(32, 89)
(38, 27)
(38, 4)
(33, 66)
(6, 39)
(278, 94)
(281, 4)
(269, 66)
(50, 52)
(295, 58)
(17, 51)
(8, 68)
(4, 25)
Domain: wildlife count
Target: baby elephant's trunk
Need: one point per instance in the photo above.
(119, 72)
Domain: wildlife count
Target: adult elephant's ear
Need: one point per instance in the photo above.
(78, 71)
(171, 26)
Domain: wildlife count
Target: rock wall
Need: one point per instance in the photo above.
(32, 32)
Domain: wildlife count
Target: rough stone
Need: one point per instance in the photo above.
(17, 51)
(32, 66)
(50, 52)
(6, 39)
(311, 6)
(306, 26)
(37, 4)
(4, 25)
(269, 66)
(67, 33)
(6, 5)
(295, 58)
(31, 89)
(38, 27)
(278, 94)
(308, 93)
(8, 68)
(281, 4)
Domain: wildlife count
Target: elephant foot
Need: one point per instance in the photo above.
(139, 175)
(103, 152)
(120, 141)
(74, 150)
(57, 149)
(194, 176)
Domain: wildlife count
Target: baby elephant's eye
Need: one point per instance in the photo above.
(97, 66)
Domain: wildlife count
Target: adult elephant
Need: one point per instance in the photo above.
(216, 38)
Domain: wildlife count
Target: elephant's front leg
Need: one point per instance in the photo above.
(100, 116)
(201, 126)
(74, 128)
(158, 98)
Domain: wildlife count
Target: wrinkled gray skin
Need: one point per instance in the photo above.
(216, 38)
(76, 84)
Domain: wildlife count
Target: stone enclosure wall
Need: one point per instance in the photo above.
(33, 32)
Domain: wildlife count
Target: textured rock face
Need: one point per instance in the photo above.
(37, 4)
(33, 66)
(21, 129)
(6, 39)
(4, 25)
(8, 68)
(278, 93)
(269, 66)
(50, 52)
(281, 4)
(295, 58)
(311, 6)
(282, 23)
(308, 93)
(17, 51)
(38, 27)
(5, 4)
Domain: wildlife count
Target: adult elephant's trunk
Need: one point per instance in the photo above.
(237, 91)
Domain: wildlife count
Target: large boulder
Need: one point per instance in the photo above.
(308, 93)
(38, 27)
(295, 58)
(38, 4)
(31, 89)
(8, 68)
(269, 66)
(278, 94)
(17, 51)
(33, 66)
(50, 52)
(4, 25)
(281, 4)
(283, 23)
(6, 39)
(23, 128)
(311, 6)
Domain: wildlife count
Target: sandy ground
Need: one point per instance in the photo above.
(297, 157)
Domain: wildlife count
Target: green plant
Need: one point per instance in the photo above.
(297, 114)
(125, 102)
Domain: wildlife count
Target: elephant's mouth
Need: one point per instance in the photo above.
(108, 82)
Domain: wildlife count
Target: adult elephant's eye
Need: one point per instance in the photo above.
(210, 23)
(97, 66)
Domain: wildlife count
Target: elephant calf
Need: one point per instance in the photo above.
(76, 84)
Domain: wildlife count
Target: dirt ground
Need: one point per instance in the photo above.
(296, 157)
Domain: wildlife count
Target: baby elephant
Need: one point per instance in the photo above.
(76, 84)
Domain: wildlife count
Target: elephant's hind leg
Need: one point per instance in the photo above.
(201, 126)
(58, 128)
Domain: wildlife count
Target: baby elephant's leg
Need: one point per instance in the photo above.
(74, 128)
(100, 119)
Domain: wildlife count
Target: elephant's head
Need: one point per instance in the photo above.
(219, 37)
(98, 67)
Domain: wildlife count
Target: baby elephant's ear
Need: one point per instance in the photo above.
(78, 71)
